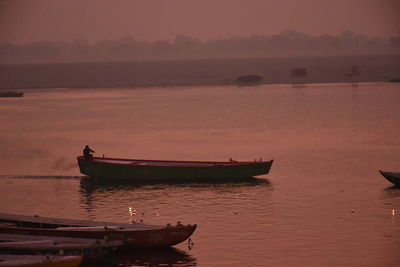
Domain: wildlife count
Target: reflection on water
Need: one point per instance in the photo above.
(299, 85)
(152, 202)
(392, 192)
(91, 185)
(161, 203)
(146, 258)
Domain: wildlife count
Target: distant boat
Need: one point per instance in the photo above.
(396, 80)
(354, 71)
(11, 94)
(39, 260)
(299, 72)
(163, 170)
(393, 177)
(249, 79)
(136, 235)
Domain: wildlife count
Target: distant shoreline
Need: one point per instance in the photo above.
(213, 72)
(305, 85)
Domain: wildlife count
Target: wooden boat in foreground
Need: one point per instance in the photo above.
(393, 177)
(39, 260)
(11, 94)
(136, 169)
(135, 235)
(36, 244)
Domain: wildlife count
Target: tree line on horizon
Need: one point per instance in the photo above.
(289, 43)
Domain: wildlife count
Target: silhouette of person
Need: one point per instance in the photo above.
(86, 152)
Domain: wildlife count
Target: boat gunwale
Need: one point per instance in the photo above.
(61, 222)
(99, 230)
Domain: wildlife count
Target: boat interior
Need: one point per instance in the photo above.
(170, 163)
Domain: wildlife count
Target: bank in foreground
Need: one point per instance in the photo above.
(138, 169)
(135, 235)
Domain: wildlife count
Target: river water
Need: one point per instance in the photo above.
(323, 203)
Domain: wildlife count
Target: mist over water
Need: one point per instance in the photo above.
(323, 204)
(137, 74)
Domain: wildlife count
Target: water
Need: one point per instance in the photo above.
(323, 204)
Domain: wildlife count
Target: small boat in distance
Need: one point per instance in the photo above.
(299, 72)
(393, 177)
(249, 79)
(354, 71)
(11, 94)
(163, 170)
(134, 235)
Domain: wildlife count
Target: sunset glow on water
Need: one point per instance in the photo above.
(323, 203)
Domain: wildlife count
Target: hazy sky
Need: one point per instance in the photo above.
(23, 21)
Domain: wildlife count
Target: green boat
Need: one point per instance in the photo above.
(139, 169)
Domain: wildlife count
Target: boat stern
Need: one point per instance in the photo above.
(83, 166)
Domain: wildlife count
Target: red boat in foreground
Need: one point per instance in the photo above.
(135, 235)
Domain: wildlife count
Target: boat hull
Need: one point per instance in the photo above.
(109, 168)
(37, 244)
(11, 94)
(134, 236)
(165, 237)
(393, 177)
(39, 260)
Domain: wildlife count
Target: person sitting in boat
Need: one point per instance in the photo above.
(87, 152)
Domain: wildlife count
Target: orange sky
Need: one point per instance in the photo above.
(23, 21)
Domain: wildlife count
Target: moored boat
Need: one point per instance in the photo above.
(393, 177)
(299, 72)
(135, 235)
(11, 94)
(136, 169)
(36, 244)
(249, 79)
(354, 72)
(10, 260)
